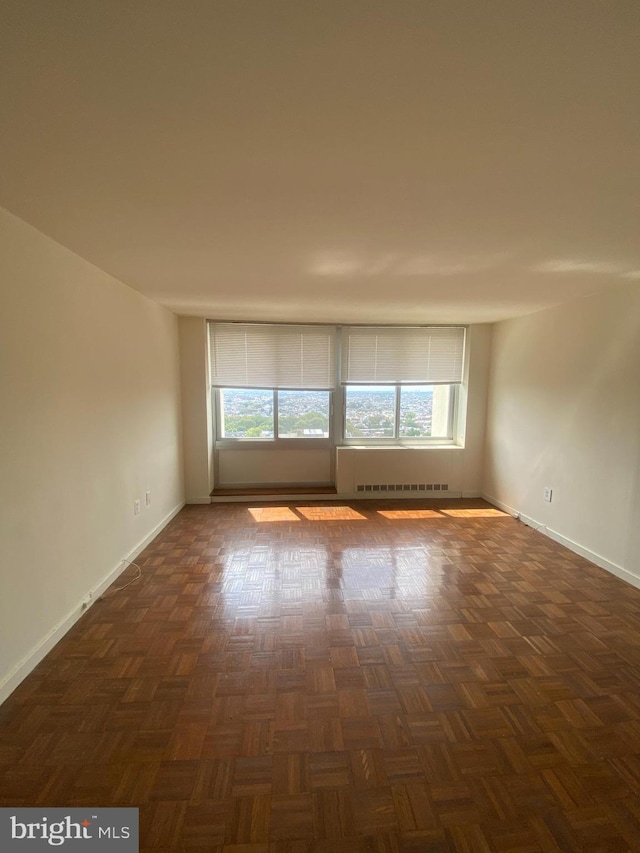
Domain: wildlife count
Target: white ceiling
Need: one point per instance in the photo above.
(330, 160)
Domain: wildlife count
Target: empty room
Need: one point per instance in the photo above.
(320, 426)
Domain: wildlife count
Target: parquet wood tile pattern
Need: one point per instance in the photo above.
(373, 678)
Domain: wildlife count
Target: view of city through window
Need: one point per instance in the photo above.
(370, 413)
(249, 413)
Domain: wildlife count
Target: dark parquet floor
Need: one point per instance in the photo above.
(373, 678)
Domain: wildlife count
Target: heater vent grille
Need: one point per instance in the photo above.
(400, 487)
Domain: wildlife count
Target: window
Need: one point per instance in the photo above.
(425, 411)
(246, 413)
(258, 414)
(400, 382)
(370, 411)
(278, 382)
(410, 413)
(273, 381)
(303, 414)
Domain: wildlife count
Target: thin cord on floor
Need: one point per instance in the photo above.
(133, 580)
(535, 527)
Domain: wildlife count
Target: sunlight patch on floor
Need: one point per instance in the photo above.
(272, 513)
(409, 513)
(330, 513)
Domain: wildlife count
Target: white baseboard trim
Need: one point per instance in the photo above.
(19, 672)
(576, 547)
(592, 556)
(500, 504)
(197, 501)
(142, 544)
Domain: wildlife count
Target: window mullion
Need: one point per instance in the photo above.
(453, 405)
(275, 415)
(397, 418)
(219, 415)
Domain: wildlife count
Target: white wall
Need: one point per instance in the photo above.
(564, 412)
(471, 425)
(237, 467)
(197, 429)
(89, 420)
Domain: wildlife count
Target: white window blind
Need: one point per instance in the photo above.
(428, 355)
(256, 355)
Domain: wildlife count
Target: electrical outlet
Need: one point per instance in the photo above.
(136, 507)
(147, 497)
(548, 492)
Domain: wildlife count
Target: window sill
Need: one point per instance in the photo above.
(274, 444)
(436, 445)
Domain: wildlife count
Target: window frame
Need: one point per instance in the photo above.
(337, 415)
(298, 443)
(397, 440)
